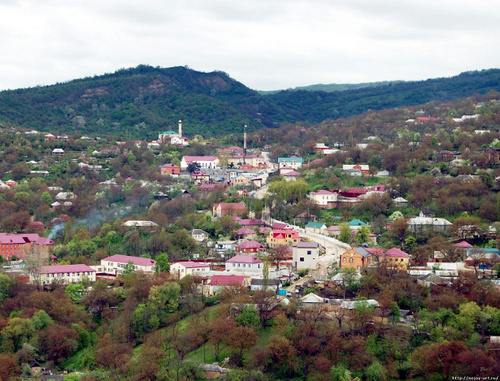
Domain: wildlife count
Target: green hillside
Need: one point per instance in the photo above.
(140, 102)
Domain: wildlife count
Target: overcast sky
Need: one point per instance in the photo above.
(265, 44)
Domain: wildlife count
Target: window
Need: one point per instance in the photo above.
(351, 260)
(309, 252)
(344, 260)
(302, 259)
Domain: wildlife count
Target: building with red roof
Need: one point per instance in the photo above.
(250, 246)
(282, 237)
(463, 244)
(394, 258)
(218, 282)
(22, 245)
(170, 169)
(246, 233)
(182, 268)
(245, 264)
(115, 264)
(63, 274)
(229, 209)
(324, 198)
(202, 161)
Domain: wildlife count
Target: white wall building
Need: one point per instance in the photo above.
(245, 264)
(63, 274)
(115, 264)
(182, 268)
(305, 255)
(323, 197)
(203, 161)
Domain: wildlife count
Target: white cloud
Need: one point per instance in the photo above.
(264, 44)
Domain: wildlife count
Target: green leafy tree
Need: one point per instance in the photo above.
(394, 313)
(162, 263)
(339, 373)
(41, 320)
(46, 198)
(249, 317)
(362, 235)
(164, 299)
(129, 269)
(75, 291)
(5, 286)
(345, 234)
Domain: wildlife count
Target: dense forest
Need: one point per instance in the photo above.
(140, 102)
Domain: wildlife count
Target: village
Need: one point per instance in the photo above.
(310, 231)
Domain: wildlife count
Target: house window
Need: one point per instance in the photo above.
(302, 259)
(351, 260)
(344, 260)
(309, 252)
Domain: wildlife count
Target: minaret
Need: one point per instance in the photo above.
(244, 144)
(180, 128)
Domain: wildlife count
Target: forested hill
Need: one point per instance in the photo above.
(140, 102)
(317, 106)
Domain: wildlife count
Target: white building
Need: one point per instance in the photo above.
(417, 224)
(115, 264)
(305, 255)
(245, 264)
(293, 162)
(63, 274)
(182, 268)
(203, 161)
(324, 198)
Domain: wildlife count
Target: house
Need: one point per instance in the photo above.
(23, 245)
(212, 371)
(218, 282)
(57, 152)
(64, 274)
(203, 161)
(280, 226)
(417, 224)
(293, 162)
(240, 180)
(312, 298)
(304, 217)
(115, 264)
(199, 177)
(170, 169)
(315, 227)
(229, 209)
(395, 259)
(320, 147)
(356, 258)
(250, 246)
(333, 231)
(355, 224)
(324, 198)
(199, 235)
(224, 246)
(363, 169)
(247, 222)
(260, 283)
(246, 233)
(400, 202)
(282, 237)
(305, 255)
(182, 268)
(291, 175)
(245, 264)
(62, 196)
(141, 224)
